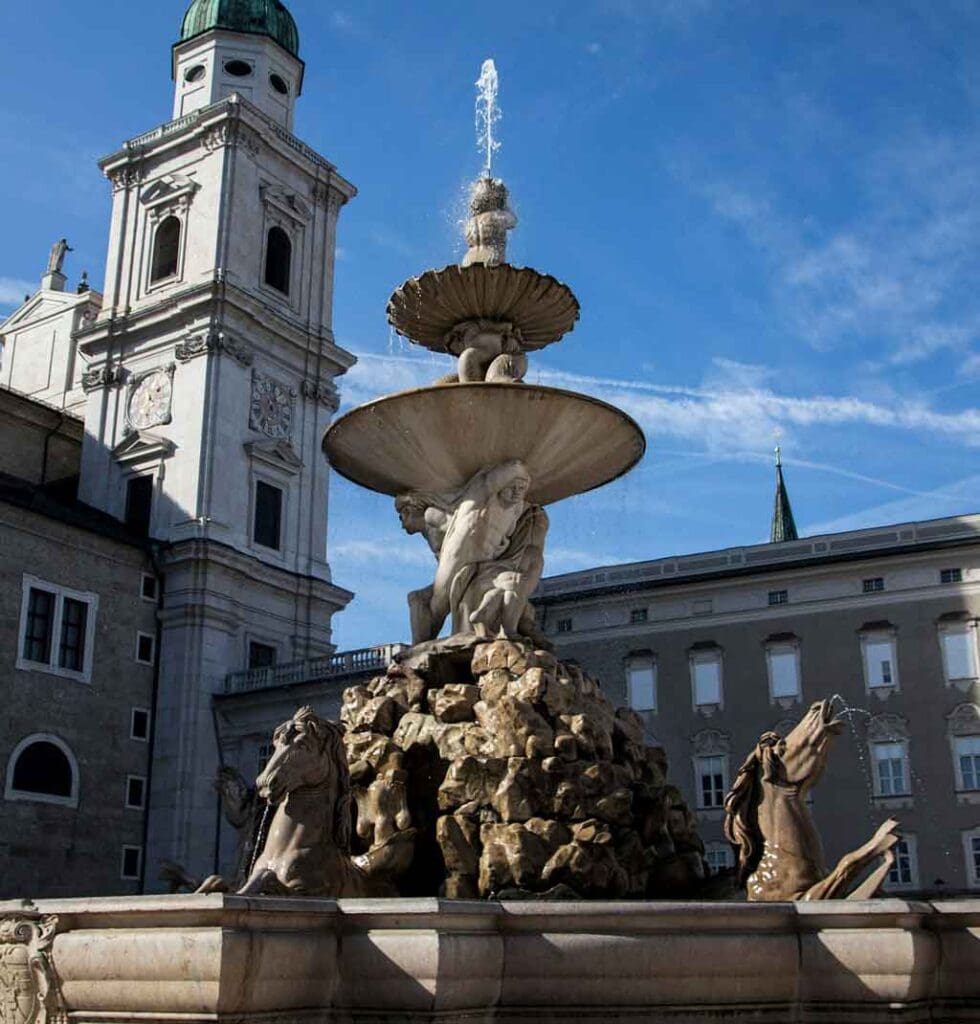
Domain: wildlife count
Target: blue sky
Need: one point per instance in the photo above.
(770, 213)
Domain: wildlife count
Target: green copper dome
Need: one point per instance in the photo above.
(261, 17)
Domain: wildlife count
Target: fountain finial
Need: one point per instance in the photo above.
(490, 219)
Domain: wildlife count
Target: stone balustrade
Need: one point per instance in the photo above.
(364, 661)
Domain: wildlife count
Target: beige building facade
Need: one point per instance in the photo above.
(717, 648)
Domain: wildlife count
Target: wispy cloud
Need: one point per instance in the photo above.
(897, 273)
(13, 290)
(736, 414)
(398, 550)
(949, 500)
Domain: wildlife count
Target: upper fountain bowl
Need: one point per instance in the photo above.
(425, 309)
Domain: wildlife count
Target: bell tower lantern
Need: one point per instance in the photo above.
(248, 47)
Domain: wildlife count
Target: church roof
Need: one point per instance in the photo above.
(259, 17)
(783, 523)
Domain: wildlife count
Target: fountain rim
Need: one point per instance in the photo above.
(501, 386)
(431, 337)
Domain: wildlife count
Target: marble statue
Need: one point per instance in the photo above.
(487, 350)
(56, 259)
(490, 220)
(490, 553)
(306, 849)
(780, 856)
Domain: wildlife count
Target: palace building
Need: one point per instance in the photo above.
(718, 647)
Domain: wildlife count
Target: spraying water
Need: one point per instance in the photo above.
(487, 113)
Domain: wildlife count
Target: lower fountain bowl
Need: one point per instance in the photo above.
(435, 439)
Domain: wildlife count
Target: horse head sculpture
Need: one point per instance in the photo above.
(780, 856)
(305, 851)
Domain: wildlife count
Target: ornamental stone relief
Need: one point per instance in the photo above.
(28, 987)
(151, 399)
(710, 741)
(102, 377)
(203, 344)
(964, 720)
(888, 728)
(322, 391)
(232, 133)
(271, 408)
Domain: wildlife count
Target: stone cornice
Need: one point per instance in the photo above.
(222, 555)
(200, 300)
(230, 122)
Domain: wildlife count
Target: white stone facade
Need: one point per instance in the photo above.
(206, 376)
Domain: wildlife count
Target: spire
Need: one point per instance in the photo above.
(783, 524)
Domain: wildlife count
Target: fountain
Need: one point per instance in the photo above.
(487, 771)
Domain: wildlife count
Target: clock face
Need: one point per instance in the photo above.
(271, 409)
(149, 405)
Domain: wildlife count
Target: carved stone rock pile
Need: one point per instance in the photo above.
(518, 776)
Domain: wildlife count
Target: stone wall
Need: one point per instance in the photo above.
(828, 628)
(56, 850)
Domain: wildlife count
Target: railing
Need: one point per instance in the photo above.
(343, 663)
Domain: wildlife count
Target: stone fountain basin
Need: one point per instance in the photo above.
(435, 439)
(427, 307)
(229, 958)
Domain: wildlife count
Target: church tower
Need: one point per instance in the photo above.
(210, 383)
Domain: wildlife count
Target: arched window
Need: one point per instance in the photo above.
(166, 250)
(42, 768)
(278, 260)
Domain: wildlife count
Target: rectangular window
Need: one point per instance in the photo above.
(57, 629)
(145, 648)
(265, 752)
(784, 671)
(719, 857)
(40, 623)
(139, 724)
(960, 653)
(889, 760)
(873, 585)
(706, 673)
(148, 587)
(267, 528)
(904, 872)
(879, 662)
(132, 857)
(74, 616)
(638, 616)
(968, 761)
(139, 505)
(975, 859)
(642, 683)
(778, 597)
(564, 626)
(711, 781)
(135, 792)
(950, 575)
(261, 655)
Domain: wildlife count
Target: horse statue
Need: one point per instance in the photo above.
(780, 856)
(305, 851)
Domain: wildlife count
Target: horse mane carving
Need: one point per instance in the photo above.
(742, 805)
(768, 822)
(306, 849)
(331, 740)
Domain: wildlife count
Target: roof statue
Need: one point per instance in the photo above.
(783, 524)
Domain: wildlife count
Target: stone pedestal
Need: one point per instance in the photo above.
(228, 958)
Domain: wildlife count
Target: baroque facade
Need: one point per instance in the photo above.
(204, 375)
(716, 648)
